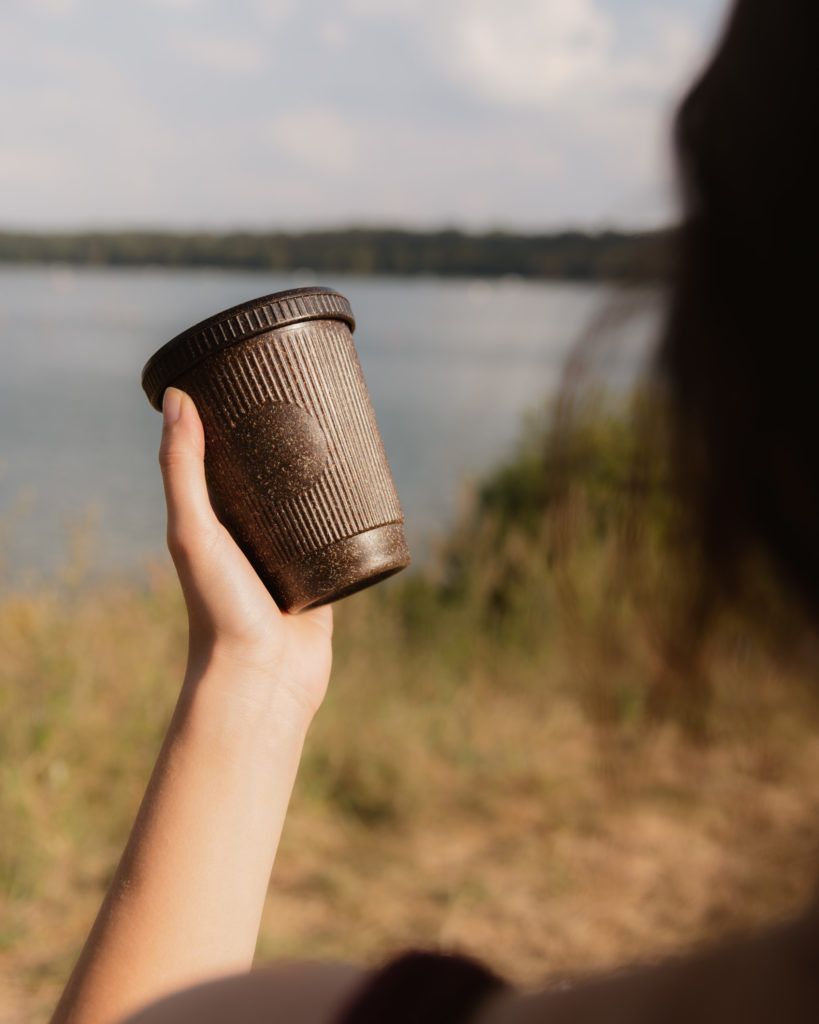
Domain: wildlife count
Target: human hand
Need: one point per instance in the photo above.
(234, 623)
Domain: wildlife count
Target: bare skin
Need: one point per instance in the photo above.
(187, 897)
(175, 936)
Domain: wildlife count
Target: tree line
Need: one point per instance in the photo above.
(573, 255)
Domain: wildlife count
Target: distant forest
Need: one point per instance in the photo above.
(573, 255)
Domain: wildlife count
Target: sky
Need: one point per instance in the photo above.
(520, 114)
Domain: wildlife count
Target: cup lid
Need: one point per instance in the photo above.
(237, 324)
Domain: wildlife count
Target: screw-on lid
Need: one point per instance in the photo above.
(236, 324)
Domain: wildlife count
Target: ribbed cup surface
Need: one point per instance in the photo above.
(294, 460)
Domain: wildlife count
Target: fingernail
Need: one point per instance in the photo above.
(171, 405)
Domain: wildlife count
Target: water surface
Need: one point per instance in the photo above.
(451, 366)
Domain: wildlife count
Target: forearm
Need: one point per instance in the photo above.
(187, 898)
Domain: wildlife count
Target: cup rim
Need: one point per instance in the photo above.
(238, 323)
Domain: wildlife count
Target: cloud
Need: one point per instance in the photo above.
(54, 8)
(273, 11)
(598, 87)
(662, 68)
(334, 34)
(523, 113)
(220, 53)
(550, 54)
(531, 51)
(182, 5)
(28, 163)
(318, 138)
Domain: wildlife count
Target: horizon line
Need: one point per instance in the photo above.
(341, 228)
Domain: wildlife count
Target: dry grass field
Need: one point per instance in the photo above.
(491, 770)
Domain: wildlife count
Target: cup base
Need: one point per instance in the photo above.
(341, 569)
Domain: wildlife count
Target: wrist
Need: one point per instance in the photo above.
(240, 711)
(275, 673)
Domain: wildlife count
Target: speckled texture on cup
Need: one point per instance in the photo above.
(294, 460)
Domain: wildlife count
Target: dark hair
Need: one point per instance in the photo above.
(740, 351)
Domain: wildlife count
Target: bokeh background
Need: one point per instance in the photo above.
(523, 753)
(271, 112)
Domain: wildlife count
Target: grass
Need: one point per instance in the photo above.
(490, 770)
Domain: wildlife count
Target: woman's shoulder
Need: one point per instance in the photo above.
(765, 979)
(769, 978)
(298, 992)
(414, 985)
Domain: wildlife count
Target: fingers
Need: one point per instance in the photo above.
(192, 524)
(216, 577)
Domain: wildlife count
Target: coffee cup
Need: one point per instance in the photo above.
(295, 464)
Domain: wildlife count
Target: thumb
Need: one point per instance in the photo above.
(192, 523)
(318, 619)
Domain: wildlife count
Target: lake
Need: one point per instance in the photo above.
(452, 365)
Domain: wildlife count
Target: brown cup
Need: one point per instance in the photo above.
(294, 461)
